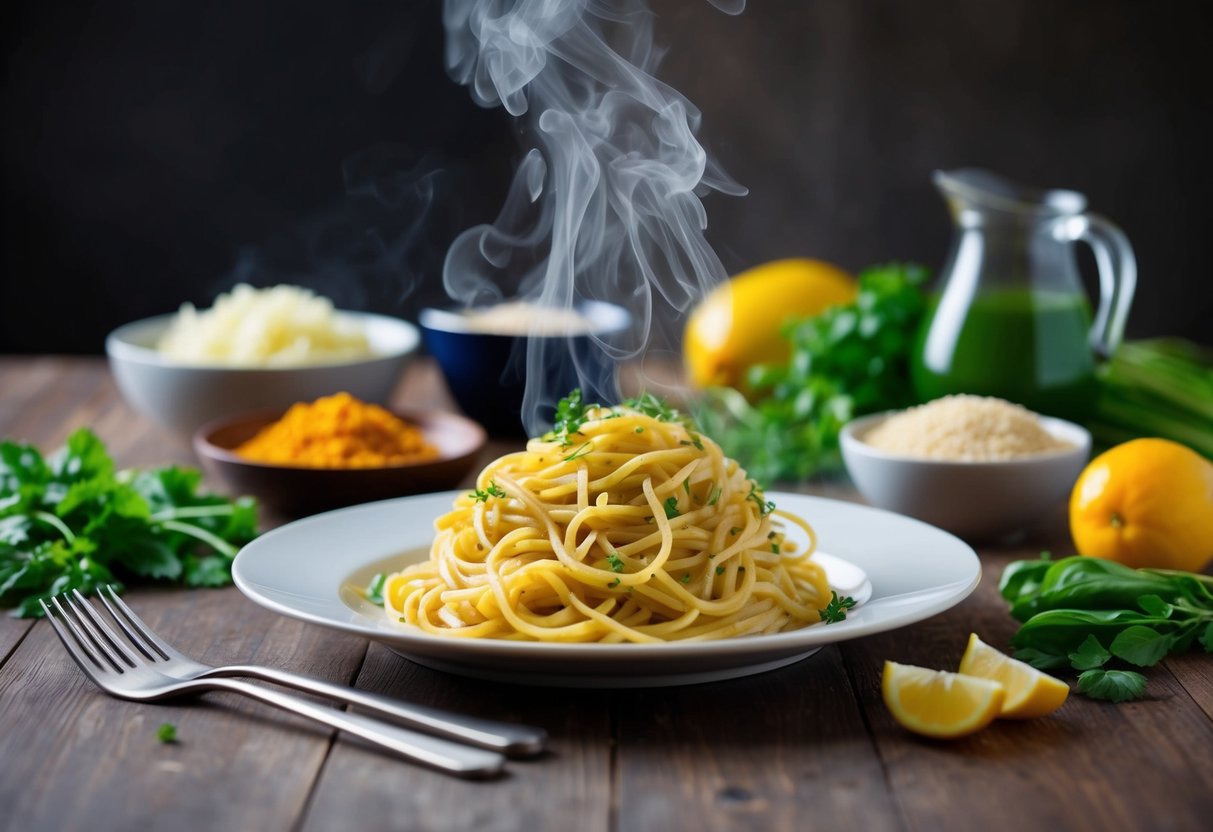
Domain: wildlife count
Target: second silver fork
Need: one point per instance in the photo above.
(511, 740)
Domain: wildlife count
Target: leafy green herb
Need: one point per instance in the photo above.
(615, 562)
(639, 429)
(850, 360)
(714, 495)
(719, 570)
(374, 590)
(571, 414)
(836, 610)
(494, 490)
(756, 496)
(167, 732)
(613, 583)
(582, 449)
(671, 508)
(1112, 685)
(650, 405)
(71, 521)
(686, 578)
(1071, 608)
(1089, 655)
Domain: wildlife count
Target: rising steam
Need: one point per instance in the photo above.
(606, 204)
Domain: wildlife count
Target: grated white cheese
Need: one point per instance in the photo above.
(282, 326)
(965, 428)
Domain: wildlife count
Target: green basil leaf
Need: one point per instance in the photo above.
(1155, 605)
(1112, 685)
(1141, 645)
(1089, 655)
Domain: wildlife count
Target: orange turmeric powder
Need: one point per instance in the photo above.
(338, 432)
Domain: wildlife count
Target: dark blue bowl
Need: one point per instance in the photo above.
(486, 371)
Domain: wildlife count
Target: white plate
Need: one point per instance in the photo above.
(313, 569)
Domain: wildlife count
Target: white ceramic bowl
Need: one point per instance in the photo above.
(183, 397)
(973, 500)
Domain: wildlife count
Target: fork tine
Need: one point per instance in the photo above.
(100, 632)
(80, 653)
(89, 647)
(132, 625)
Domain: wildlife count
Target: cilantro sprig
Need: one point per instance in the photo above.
(71, 521)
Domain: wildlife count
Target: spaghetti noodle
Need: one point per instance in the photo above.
(623, 525)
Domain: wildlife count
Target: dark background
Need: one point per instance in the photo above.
(156, 152)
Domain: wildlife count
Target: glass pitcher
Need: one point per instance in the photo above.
(1011, 318)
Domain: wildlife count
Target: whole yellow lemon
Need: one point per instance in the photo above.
(1146, 503)
(739, 323)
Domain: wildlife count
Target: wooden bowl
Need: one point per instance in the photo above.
(299, 490)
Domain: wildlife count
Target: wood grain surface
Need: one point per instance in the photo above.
(810, 746)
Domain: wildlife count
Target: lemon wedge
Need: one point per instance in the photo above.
(1029, 693)
(939, 704)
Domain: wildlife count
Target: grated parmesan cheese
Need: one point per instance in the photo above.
(282, 326)
(965, 428)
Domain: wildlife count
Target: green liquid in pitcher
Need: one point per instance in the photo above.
(1024, 346)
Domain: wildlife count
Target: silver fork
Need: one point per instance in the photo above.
(124, 673)
(511, 740)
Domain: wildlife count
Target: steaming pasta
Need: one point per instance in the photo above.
(625, 527)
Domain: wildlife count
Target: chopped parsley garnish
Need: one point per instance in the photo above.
(571, 414)
(719, 570)
(714, 495)
(167, 732)
(494, 490)
(640, 429)
(765, 507)
(614, 584)
(775, 548)
(615, 562)
(734, 530)
(836, 610)
(582, 450)
(671, 508)
(696, 441)
(686, 578)
(686, 486)
(374, 590)
(650, 405)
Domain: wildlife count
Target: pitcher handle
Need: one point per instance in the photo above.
(1117, 275)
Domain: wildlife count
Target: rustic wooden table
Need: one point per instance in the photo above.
(809, 746)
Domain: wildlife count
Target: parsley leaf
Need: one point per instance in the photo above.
(615, 562)
(671, 508)
(571, 413)
(1112, 685)
(719, 570)
(1089, 655)
(1140, 645)
(836, 610)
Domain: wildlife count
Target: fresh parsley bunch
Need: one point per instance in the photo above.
(849, 360)
(70, 521)
(1083, 613)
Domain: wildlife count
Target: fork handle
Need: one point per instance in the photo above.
(433, 751)
(511, 740)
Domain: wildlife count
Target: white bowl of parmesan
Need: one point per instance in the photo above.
(982, 468)
(255, 348)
